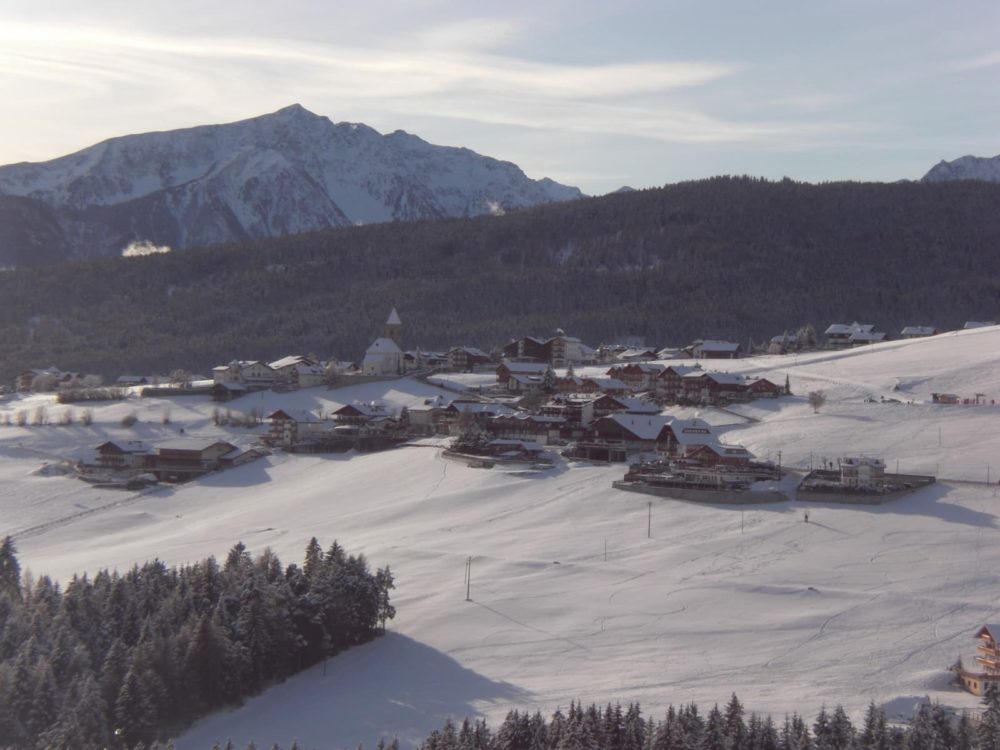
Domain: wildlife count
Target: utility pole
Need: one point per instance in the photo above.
(649, 522)
(468, 580)
(605, 549)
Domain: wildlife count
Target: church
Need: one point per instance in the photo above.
(385, 355)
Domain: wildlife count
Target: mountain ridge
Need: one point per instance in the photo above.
(282, 173)
(966, 167)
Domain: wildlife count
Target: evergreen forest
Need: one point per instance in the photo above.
(125, 660)
(735, 258)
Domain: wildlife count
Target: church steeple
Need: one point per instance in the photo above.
(394, 328)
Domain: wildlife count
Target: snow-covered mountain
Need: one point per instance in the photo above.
(283, 173)
(965, 168)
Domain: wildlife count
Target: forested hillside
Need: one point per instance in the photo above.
(727, 257)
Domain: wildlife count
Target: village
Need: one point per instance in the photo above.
(534, 409)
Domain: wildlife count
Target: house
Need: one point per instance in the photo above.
(251, 373)
(122, 454)
(466, 358)
(862, 473)
(576, 409)
(576, 384)
(130, 380)
(48, 378)
(978, 324)
(527, 349)
(684, 436)
(713, 387)
(522, 426)
(298, 371)
(461, 415)
(786, 342)
(507, 448)
(917, 332)
(634, 433)
(987, 658)
(764, 388)
(607, 404)
(289, 428)
(669, 385)
(181, 459)
(359, 413)
(524, 377)
(637, 354)
(714, 349)
(843, 335)
(638, 376)
(716, 454)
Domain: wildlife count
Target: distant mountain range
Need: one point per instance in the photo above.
(965, 168)
(283, 173)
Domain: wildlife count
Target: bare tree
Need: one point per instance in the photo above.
(816, 400)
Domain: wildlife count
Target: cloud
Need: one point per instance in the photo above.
(983, 61)
(139, 248)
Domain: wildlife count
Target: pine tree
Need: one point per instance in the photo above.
(874, 735)
(989, 726)
(735, 728)
(10, 569)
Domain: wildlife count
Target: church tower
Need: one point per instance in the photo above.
(394, 328)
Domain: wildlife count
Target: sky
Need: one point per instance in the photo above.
(593, 94)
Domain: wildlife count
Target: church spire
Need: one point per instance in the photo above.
(394, 328)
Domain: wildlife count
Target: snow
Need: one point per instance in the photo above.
(861, 603)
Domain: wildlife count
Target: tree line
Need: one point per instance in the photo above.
(127, 659)
(734, 258)
(720, 728)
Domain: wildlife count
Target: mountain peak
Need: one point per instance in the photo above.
(965, 168)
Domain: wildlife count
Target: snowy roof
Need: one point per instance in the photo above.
(722, 378)
(478, 407)
(291, 361)
(393, 319)
(918, 331)
(693, 432)
(978, 323)
(367, 408)
(383, 345)
(683, 370)
(607, 384)
(728, 450)
(845, 329)
(644, 427)
(126, 446)
(636, 405)
(469, 350)
(295, 415)
(189, 444)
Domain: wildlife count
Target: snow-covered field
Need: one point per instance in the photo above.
(860, 604)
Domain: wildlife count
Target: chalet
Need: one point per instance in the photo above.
(638, 376)
(918, 332)
(670, 382)
(607, 404)
(466, 358)
(289, 428)
(250, 373)
(419, 359)
(461, 415)
(52, 377)
(671, 352)
(684, 436)
(122, 454)
(764, 388)
(637, 354)
(131, 380)
(786, 342)
(523, 377)
(521, 426)
(182, 459)
(528, 349)
(978, 324)
(507, 448)
(634, 432)
(716, 454)
(228, 391)
(576, 409)
(298, 371)
(576, 384)
(843, 335)
(987, 659)
(713, 387)
(359, 413)
(713, 349)
(566, 350)
(862, 473)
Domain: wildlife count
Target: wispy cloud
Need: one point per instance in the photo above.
(987, 60)
(451, 69)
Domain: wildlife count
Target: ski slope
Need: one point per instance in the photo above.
(570, 599)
